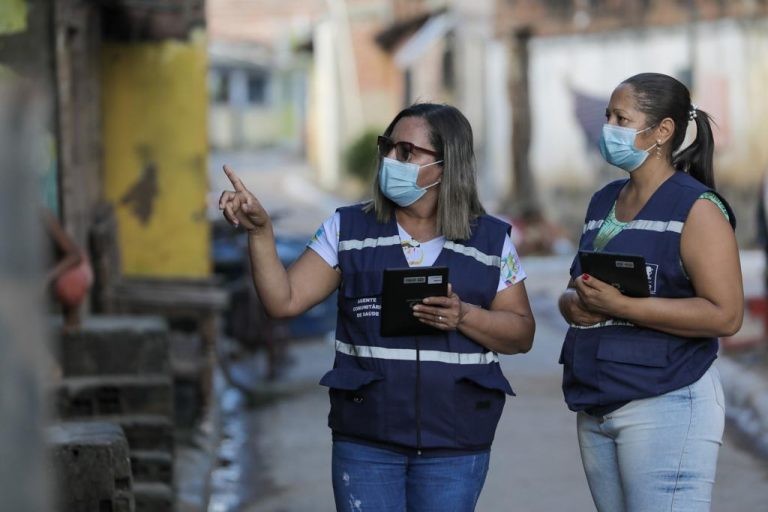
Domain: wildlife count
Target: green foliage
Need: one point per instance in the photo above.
(360, 156)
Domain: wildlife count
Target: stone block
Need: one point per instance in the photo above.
(115, 345)
(153, 497)
(188, 366)
(78, 397)
(91, 467)
(152, 466)
(146, 432)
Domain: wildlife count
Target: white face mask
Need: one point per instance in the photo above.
(397, 181)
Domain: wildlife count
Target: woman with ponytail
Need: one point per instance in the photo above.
(638, 371)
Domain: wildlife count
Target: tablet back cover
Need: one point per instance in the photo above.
(624, 271)
(402, 289)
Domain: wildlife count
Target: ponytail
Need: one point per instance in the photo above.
(697, 158)
(659, 96)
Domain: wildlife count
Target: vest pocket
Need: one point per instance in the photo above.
(630, 367)
(355, 402)
(576, 356)
(479, 402)
(639, 350)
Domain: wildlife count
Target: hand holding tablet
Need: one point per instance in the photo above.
(626, 272)
(402, 289)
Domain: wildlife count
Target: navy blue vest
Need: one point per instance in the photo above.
(435, 392)
(615, 361)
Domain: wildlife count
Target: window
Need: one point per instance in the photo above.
(218, 86)
(257, 88)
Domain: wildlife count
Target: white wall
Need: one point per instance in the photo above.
(725, 57)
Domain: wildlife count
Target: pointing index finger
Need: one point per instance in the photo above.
(234, 179)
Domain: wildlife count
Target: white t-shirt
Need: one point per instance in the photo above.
(325, 242)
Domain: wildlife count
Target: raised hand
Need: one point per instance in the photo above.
(241, 208)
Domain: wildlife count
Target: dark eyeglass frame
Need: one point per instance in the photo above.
(403, 149)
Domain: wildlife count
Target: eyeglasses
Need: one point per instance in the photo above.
(403, 149)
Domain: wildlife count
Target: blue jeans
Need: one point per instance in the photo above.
(368, 479)
(656, 454)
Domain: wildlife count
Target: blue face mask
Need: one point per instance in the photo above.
(617, 145)
(397, 181)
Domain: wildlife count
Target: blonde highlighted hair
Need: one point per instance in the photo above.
(458, 204)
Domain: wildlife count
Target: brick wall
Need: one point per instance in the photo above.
(573, 16)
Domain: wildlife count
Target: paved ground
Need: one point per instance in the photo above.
(276, 457)
(281, 452)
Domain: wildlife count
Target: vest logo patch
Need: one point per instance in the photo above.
(652, 270)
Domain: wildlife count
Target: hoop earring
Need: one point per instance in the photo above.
(658, 149)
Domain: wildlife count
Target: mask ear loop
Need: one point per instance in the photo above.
(433, 163)
(656, 145)
(438, 181)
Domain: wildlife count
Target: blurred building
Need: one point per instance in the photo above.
(257, 94)
(335, 70)
(578, 51)
(120, 94)
(531, 75)
(126, 83)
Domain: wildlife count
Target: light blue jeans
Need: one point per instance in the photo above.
(368, 479)
(656, 454)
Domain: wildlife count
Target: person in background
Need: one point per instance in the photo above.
(534, 234)
(71, 276)
(638, 371)
(762, 230)
(413, 417)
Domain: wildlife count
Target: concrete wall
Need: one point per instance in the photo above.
(729, 63)
(23, 339)
(248, 127)
(77, 36)
(27, 51)
(730, 59)
(242, 123)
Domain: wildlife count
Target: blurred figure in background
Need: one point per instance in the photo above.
(533, 234)
(639, 370)
(413, 417)
(71, 276)
(762, 228)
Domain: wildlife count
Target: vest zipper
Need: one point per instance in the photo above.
(418, 398)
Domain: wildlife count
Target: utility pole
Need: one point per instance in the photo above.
(523, 194)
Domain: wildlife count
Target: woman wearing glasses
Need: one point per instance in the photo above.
(412, 417)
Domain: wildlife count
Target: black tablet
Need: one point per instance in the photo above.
(402, 289)
(624, 271)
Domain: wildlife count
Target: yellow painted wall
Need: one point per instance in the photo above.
(13, 16)
(155, 155)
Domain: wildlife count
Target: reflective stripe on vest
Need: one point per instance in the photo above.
(404, 354)
(645, 225)
(607, 323)
(486, 259)
(384, 241)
